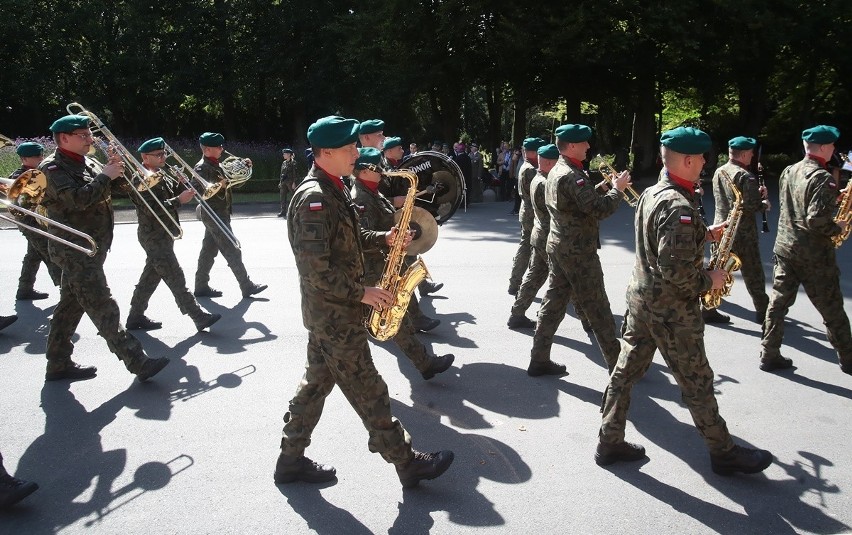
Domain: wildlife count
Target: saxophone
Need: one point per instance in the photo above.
(722, 257)
(384, 324)
(844, 213)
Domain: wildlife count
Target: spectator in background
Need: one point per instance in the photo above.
(476, 173)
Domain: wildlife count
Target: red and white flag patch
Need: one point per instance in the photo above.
(832, 185)
(315, 206)
(581, 182)
(686, 219)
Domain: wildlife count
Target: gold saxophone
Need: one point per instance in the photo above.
(384, 324)
(844, 213)
(722, 257)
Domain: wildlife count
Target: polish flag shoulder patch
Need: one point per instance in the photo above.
(581, 182)
(686, 219)
(832, 185)
(315, 206)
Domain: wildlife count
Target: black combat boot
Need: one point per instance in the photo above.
(427, 287)
(253, 289)
(206, 291)
(606, 454)
(769, 364)
(289, 469)
(424, 466)
(438, 365)
(519, 321)
(546, 368)
(151, 367)
(206, 321)
(142, 323)
(740, 459)
(424, 324)
(13, 490)
(5, 321)
(30, 295)
(68, 369)
(714, 316)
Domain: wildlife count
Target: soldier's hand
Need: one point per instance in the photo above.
(767, 206)
(378, 298)
(185, 196)
(622, 181)
(114, 169)
(764, 193)
(390, 237)
(719, 277)
(714, 232)
(4, 189)
(247, 161)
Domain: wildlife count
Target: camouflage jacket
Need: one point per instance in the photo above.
(808, 201)
(376, 213)
(526, 216)
(541, 223)
(328, 245)
(724, 197)
(166, 191)
(211, 172)
(576, 209)
(668, 275)
(288, 173)
(80, 198)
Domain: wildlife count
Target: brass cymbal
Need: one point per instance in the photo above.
(425, 230)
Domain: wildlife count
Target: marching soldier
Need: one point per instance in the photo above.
(804, 251)
(31, 155)
(12, 489)
(161, 262)
(575, 209)
(663, 312)
(526, 215)
(377, 214)
(215, 240)
(80, 198)
(371, 133)
(746, 245)
(328, 246)
(288, 179)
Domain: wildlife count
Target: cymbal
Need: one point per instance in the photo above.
(425, 230)
(447, 188)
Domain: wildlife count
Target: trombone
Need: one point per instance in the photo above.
(186, 174)
(34, 183)
(610, 175)
(141, 178)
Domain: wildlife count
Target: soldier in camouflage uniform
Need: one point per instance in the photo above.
(288, 179)
(575, 208)
(215, 240)
(746, 245)
(80, 198)
(12, 489)
(526, 214)
(804, 251)
(161, 262)
(328, 246)
(377, 214)
(663, 311)
(31, 155)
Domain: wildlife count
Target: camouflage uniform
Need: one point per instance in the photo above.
(161, 262)
(663, 313)
(36, 244)
(214, 240)
(288, 182)
(804, 254)
(538, 269)
(526, 216)
(575, 208)
(377, 214)
(746, 245)
(78, 197)
(327, 243)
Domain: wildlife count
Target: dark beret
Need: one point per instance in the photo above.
(368, 155)
(821, 134)
(29, 148)
(371, 126)
(742, 143)
(287, 150)
(333, 132)
(549, 152)
(151, 145)
(391, 142)
(686, 140)
(69, 123)
(533, 143)
(573, 133)
(211, 139)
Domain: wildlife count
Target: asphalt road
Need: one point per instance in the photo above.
(193, 451)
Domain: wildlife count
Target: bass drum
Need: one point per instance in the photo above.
(440, 183)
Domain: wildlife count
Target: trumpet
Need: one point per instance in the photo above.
(141, 178)
(235, 169)
(610, 174)
(183, 172)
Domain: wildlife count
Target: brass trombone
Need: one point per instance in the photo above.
(186, 174)
(610, 175)
(141, 179)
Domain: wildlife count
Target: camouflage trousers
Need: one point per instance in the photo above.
(682, 347)
(162, 264)
(84, 288)
(522, 258)
(37, 252)
(534, 279)
(747, 248)
(213, 243)
(822, 285)
(341, 355)
(286, 193)
(580, 279)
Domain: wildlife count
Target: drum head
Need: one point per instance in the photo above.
(440, 183)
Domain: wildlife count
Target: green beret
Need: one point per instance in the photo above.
(549, 152)
(686, 140)
(821, 134)
(69, 123)
(28, 149)
(211, 139)
(742, 143)
(573, 133)
(151, 145)
(333, 132)
(533, 143)
(371, 126)
(368, 155)
(391, 142)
